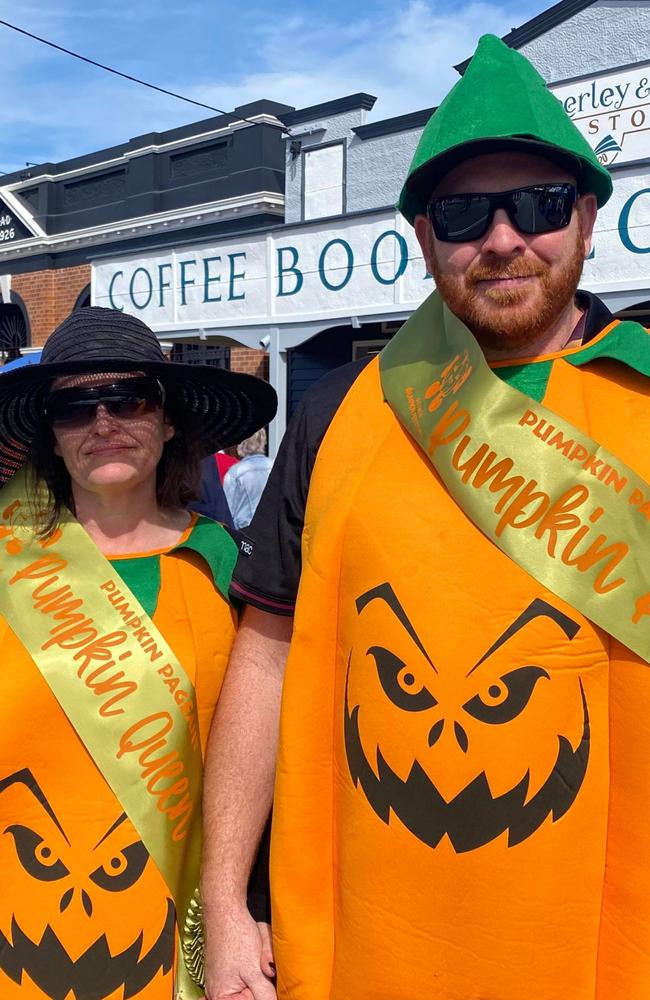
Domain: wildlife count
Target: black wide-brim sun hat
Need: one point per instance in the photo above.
(220, 407)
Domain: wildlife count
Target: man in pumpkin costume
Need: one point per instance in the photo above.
(462, 802)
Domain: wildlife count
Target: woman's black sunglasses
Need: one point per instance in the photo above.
(543, 208)
(124, 399)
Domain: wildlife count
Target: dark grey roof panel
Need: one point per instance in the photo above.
(389, 126)
(197, 128)
(353, 102)
(263, 108)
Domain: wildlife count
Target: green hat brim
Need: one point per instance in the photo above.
(422, 182)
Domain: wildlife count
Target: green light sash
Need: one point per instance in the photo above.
(111, 670)
(555, 501)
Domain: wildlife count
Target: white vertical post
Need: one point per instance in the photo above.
(278, 379)
(5, 288)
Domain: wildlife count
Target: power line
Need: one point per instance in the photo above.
(134, 79)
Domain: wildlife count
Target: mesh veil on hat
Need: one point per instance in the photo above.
(501, 104)
(222, 407)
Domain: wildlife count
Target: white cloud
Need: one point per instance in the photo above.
(402, 55)
(54, 107)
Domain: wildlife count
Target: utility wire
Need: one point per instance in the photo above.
(134, 79)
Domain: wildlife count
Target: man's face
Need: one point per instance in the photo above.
(508, 287)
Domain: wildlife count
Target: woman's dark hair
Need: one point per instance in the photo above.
(178, 476)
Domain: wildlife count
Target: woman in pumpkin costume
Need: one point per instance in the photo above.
(115, 632)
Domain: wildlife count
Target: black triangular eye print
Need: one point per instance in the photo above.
(507, 698)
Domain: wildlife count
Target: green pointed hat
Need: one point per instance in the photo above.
(500, 104)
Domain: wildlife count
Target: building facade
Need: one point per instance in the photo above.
(344, 270)
(209, 179)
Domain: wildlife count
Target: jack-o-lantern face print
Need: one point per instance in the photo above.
(466, 750)
(81, 918)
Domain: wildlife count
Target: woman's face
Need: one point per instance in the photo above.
(106, 453)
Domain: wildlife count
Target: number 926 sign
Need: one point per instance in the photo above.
(11, 228)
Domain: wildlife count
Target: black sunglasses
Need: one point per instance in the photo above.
(543, 208)
(123, 399)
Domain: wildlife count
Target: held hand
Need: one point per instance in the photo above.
(267, 964)
(238, 959)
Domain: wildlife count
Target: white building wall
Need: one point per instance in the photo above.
(608, 33)
(376, 169)
(335, 128)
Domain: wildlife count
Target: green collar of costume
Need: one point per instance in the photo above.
(625, 342)
(566, 510)
(500, 103)
(213, 543)
(210, 540)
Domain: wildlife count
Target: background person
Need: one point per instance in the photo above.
(225, 458)
(244, 482)
(114, 435)
(212, 499)
(462, 773)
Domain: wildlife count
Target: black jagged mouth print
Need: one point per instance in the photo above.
(474, 817)
(94, 975)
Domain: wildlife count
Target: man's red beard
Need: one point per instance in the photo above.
(515, 319)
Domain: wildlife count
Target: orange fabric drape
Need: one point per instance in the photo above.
(463, 786)
(81, 903)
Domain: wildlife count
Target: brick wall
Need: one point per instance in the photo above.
(243, 359)
(49, 297)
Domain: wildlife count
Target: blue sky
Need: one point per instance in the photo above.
(223, 53)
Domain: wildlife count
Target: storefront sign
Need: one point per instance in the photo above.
(299, 273)
(11, 228)
(355, 266)
(612, 110)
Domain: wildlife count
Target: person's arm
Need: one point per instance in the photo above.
(240, 765)
(239, 775)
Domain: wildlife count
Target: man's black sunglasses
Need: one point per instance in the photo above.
(543, 208)
(125, 399)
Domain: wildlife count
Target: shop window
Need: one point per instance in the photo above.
(323, 181)
(13, 332)
(201, 354)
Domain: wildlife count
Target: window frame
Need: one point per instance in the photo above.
(303, 157)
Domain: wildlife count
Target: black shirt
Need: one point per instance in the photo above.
(268, 569)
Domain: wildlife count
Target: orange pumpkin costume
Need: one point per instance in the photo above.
(462, 805)
(84, 912)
